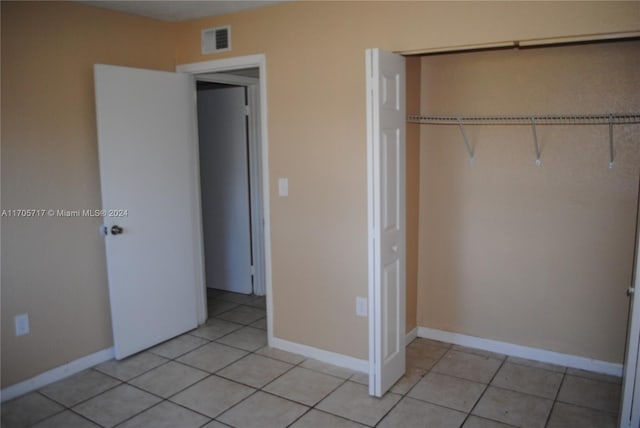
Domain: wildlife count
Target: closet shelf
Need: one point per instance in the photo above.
(579, 119)
(610, 119)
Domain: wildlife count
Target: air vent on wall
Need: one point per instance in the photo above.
(216, 40)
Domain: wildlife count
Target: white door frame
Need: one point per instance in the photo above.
(228, 64)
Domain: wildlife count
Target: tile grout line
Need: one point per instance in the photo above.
(406, 394)
(470, 413)
(235, 405)
(256, 390)
(523, 393)
(239, 305)
(452, 348)
(209, 375)
(495, 356)
(293, 366)
(162, 399)
(140, 412)
(594, 378)
(582, 406)
(84, 400)
(64, 408)
(555, 399)
(533, 366)
(344, 381)
(168, 360)
(210, 341)
(85, 418)
(240, 327)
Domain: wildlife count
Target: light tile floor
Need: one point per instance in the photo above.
(222, 374)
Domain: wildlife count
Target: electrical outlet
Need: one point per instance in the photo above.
(361, 306)
(22, 324)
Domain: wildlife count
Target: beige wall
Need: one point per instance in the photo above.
(413, 88)
(54, 268)
(537, 256)
(317, 124)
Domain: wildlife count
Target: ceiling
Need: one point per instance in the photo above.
(179, 10)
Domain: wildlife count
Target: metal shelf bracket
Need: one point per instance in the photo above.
(611, 154)
(535, 140)
(466, 142)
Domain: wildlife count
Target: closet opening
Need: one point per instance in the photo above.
(521, 236)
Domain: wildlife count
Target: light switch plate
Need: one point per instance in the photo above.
(283, 186)
(361, 306)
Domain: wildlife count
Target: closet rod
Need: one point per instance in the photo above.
(577, 119)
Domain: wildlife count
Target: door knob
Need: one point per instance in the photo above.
(116, 230)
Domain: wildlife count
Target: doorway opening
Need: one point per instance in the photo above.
(234, 192)
(230, 183)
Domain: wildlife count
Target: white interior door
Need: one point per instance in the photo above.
(386, 146)
(630, 406)
(148, 167)
(224, 175)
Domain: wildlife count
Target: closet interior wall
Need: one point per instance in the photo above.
(539, 256)
(413, 90)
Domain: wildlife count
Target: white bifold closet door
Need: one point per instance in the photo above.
(148, 168)
(630, 405)
(386, 148)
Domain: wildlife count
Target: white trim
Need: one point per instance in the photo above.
(514, 350)
(256, 177)
(370, 222)
(227, 64)
(56, 374)
(411, 335)
(198, 241)
(328, 357)
(630, 400)
(228, 79)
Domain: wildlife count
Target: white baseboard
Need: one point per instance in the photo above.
(513, 350)
(411, 335)
(329, 357)
(56, 374)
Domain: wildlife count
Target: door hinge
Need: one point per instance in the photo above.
(247, 110)
(253, 270)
